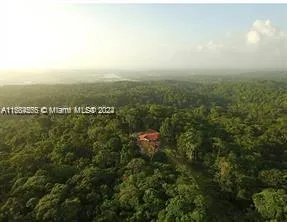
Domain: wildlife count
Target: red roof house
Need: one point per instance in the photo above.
(149, 142)
(149, 136)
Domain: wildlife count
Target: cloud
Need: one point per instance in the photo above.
(262, 33)
(262, 46)
(262, 30)
(253, 37)
(210, 46)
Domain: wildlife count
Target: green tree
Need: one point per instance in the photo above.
(271, 204)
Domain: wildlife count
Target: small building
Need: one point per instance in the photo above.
(149, 142)
(149, 137)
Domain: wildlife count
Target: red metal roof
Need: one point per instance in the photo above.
(150, 136)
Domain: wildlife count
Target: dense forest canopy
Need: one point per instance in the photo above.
(223, 152)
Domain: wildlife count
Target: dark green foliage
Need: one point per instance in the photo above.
(223, 153)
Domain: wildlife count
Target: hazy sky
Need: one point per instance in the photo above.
(142, 36)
